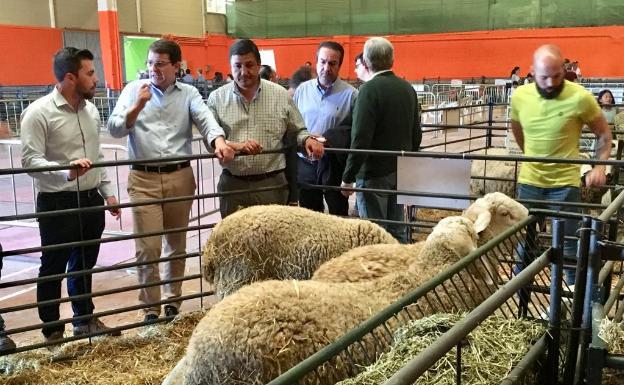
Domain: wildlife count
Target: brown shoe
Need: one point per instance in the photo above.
(95, 326)
(54, 337)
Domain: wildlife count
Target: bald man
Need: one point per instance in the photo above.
(546, 120)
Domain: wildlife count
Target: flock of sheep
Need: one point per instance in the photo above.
(293, 280)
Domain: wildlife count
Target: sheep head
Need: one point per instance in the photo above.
(494, 213)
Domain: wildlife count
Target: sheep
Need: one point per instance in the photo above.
(504, 169)
(280, 242)
(265, 328)
(492, 214)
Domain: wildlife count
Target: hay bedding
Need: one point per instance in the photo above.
(612, 333)
(491, 351)
(141, 359)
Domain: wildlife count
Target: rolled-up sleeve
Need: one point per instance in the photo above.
(204, 119)
(33, 137)
(296, 123)
(117, 120)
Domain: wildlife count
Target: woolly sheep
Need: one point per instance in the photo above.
(492, 214)
(505, 169)
(267, 327)
(280, 242)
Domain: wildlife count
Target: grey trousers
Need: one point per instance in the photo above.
(230, 203)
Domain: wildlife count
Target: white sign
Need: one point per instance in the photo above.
(442, 176)
(267, 56)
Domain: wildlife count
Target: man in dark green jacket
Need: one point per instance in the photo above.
(386, 117)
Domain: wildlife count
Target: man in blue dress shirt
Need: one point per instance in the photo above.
(325, 104)
(157, 116)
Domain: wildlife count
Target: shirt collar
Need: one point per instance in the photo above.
(60, 100)
(380, 72)
(238, 93)
(175, 85)
(328, 89)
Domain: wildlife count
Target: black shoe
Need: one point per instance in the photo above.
(150, 318)
(170, 311)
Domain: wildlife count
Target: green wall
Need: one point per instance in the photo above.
(295, 18)
(135, 54)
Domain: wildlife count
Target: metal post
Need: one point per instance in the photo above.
(554, 317)
(526, 252)
(488, 140)
(577, 303)
(591, 290)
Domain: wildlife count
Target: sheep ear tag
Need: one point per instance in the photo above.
(483, 220)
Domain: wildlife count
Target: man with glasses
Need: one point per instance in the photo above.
(63, 128)
(157, 116)
(361, 70)
(256, 114)
(326, 104)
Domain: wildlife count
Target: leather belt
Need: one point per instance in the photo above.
(253, 178)
(161, 169)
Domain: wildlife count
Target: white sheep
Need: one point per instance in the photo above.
(492, 214)
(265, 328)
(280, 242)
(505, 169)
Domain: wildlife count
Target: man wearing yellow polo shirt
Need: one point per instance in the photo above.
(546, 120)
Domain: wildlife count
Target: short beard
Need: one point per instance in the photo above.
(550, 94)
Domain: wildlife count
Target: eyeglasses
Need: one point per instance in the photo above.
(157, 64)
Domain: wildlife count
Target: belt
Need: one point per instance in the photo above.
(83, 193)
(253, 178)
(161, 169)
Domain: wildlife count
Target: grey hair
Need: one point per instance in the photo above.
(378, 54)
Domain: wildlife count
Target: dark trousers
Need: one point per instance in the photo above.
(312, 199)
(62, 229)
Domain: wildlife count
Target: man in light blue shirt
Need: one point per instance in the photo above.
(325, 104)
(157, 116)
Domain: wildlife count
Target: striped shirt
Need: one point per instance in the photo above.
(265, 119)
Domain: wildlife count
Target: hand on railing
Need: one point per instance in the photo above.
(84, 164)
(116, 212)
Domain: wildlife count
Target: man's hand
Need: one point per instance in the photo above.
(314, 147)
(346, 193)
(116, 212)
(596, 176)
(84, 164)
(143, 96)
(224, 152)
(250, 147)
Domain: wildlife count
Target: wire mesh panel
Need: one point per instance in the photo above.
(460, 288)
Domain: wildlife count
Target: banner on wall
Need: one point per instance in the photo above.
(267, 56)
(135, 54)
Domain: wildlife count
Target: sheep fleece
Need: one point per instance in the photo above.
(280, 242)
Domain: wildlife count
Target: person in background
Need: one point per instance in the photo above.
(229, 78)
(528, 78)
(514, 77)
(200, 76)
(301, 75)
(546, 121)
(361, 70)
(267, 73)
(386, 117)
(218, 77)
(158, 116)
(63, 128)
(606, 101)
(256, 114)
(326, 104)
(188, 78)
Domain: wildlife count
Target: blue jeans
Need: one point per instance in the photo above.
(382, 206)
(557, 194)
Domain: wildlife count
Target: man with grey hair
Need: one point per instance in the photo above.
(386, 117)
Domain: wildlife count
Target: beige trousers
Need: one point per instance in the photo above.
(158, 217)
